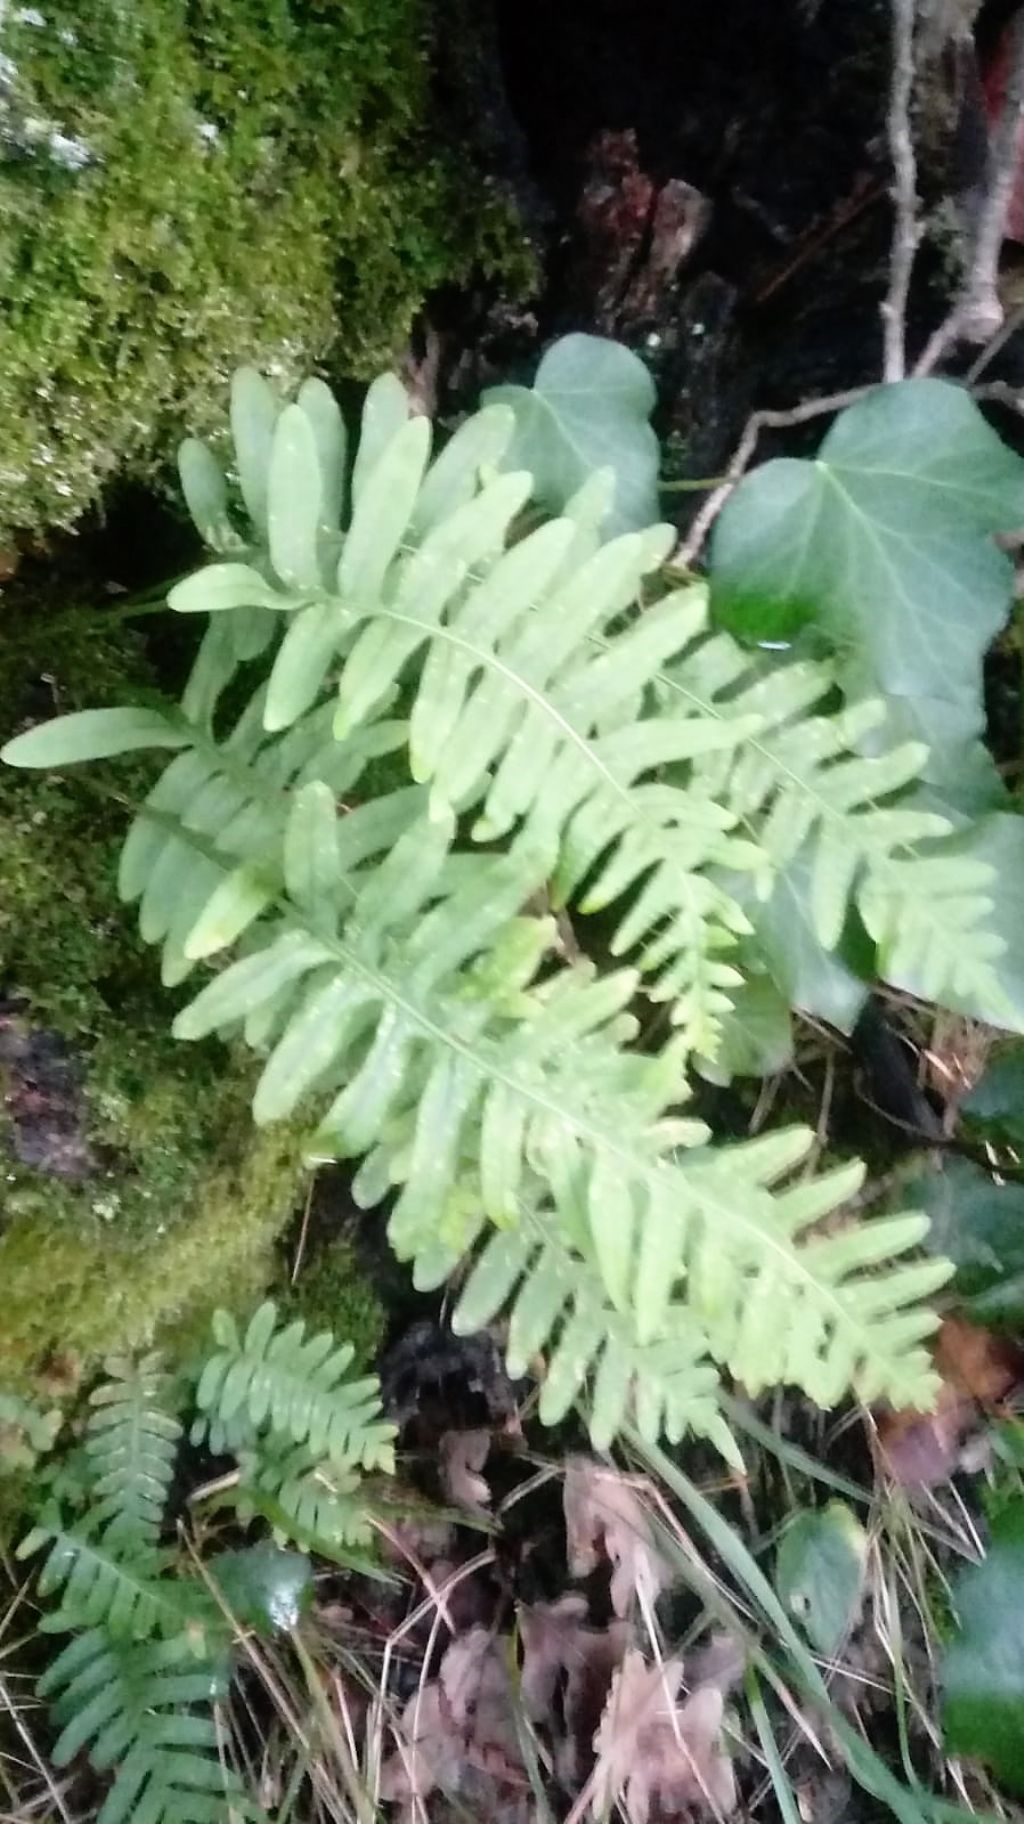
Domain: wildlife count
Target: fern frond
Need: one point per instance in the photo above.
(131, 1443)
(101, 1586)
(143, 1710)
(652, 756)
(531, 1089)
(309, 1500)
(297, 1385)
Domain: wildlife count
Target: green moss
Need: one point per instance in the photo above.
(186, 186)
(186, 1198)
(335, 1292)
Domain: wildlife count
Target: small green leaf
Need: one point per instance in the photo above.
(265, 1587)
(206, 493)
(312, 871)
(982, 1672)
(240, 898)
(294, 500)
(589, 408)
(995, 1106)
(254, 412)
(819, 1572)
(302, 662)
(321, 408)
(220, 587)
(92, 734)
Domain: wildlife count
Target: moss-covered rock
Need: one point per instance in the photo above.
(138, 1194)
(184, 186)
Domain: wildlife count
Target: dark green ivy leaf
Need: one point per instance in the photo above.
(885, 543)
(588, 408)
(983, 1668)
(978, 1225)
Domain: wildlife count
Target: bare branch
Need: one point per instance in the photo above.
(688, 552)
(907, 230)
(978, 312)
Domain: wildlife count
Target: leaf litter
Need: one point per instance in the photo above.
(564, 1685)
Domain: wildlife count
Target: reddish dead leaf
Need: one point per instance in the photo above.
(429, 1753)
(922, 1449)
(463, 1455)
(561, 1653)
(976, 1362)
(604, 1514)
(550, 1633)
(657, 1756)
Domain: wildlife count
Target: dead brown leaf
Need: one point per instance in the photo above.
(922, 1449)
(604, 1514)
(654, 1755)
(978, 1369)
(463, 1455)
(562, 1653)
(464, 1719)
(975, 1361)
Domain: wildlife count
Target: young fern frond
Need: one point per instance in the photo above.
(309, 1500)
(298, 1387)
(131, 1443)
(141, 1708)
(103, 1582)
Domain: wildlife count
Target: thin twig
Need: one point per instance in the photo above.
(906, 231)
(995, 345)
(978, 313)
(688, 552)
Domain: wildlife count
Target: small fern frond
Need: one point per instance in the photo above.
(309, 1500)
(131, 1443)
(101, 1586)
(297, 1385)
(143, 1709)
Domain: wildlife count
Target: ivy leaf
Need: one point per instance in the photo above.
(885, 543)
(757, 1035)
(265, 1587)
(819, 1572)
(589, 408)
(813, 980)
(978, 1225)
(983, 1669)
(995, 1105)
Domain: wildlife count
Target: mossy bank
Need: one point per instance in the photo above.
(187, 186)
(138, 1194)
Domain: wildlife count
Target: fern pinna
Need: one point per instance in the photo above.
(150, 1654)
(566, 733)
